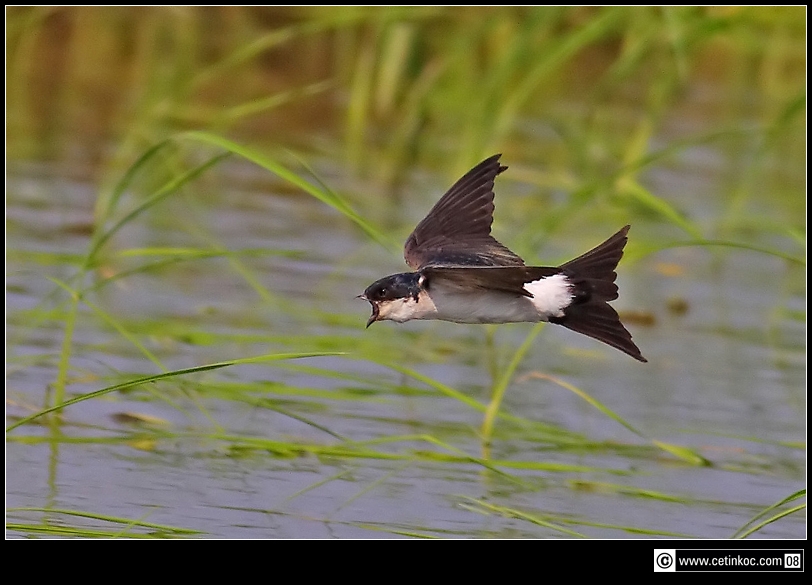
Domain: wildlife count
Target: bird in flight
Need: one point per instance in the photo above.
(462, 274)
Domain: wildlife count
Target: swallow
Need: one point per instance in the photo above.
(464, 275)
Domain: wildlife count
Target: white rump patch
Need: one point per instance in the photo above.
(551, 295)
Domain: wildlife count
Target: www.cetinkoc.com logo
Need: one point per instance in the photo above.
(754, 560)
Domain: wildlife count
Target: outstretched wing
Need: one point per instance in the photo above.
(504, 279)
(457, 230)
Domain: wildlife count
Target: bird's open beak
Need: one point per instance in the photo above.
(375, 310)
(374, 316)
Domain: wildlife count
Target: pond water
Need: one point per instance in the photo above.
(726, 377)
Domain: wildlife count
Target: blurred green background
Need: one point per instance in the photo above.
(384, 90)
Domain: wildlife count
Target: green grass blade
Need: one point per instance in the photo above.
(105, 518)
(744, 532)
(513, 513)
(166, 375)
(684, 453)
(157, 197)
(503, 382)
(322, 194)
(740, 245)
(110, 202)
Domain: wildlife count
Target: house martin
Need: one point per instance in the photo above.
(462, 274)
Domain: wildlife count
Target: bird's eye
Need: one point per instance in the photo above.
(383, 291)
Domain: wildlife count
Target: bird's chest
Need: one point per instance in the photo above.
(482, 307)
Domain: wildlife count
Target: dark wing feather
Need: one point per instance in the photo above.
(507, 279)
(457, 230)
(597, 267)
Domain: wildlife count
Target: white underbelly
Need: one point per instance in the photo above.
(550, 296)
(492, 308)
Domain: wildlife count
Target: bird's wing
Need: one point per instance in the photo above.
(457, 230)
(506, 279)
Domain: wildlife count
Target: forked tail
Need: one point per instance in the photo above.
(593, 278)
